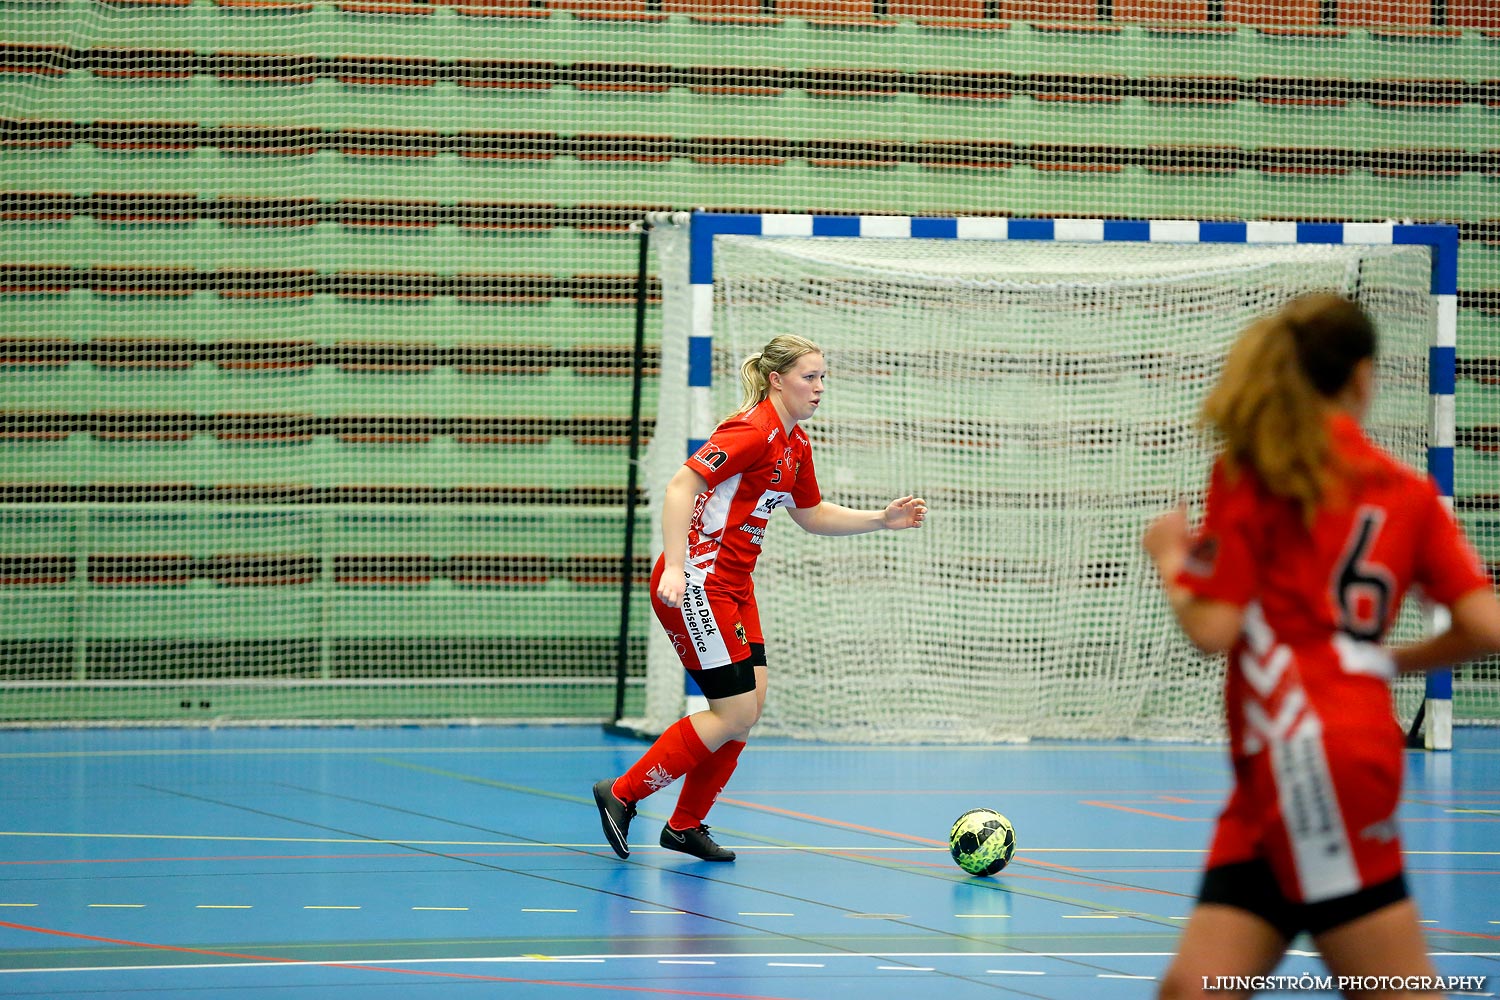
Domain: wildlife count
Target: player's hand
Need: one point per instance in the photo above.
(907, 512)
(1168, 535)
(670, 587)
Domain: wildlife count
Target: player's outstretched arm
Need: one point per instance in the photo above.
(832, 519)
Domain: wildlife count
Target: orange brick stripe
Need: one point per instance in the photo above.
(52, 279)
(126, 208)
(769, 81)
(256, 569)
(160, 137)
(302, 494)
(158, 426)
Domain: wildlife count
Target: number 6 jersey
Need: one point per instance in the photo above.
(1316, 746)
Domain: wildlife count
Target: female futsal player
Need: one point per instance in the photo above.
(714, 515)
(1311, 537)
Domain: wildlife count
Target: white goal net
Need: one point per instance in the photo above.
(1043, 398)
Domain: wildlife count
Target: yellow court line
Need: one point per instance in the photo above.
(592, 845)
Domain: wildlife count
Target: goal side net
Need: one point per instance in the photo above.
(1042, 395)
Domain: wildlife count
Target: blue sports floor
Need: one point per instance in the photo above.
(306, 863)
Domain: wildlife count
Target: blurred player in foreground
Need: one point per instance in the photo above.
(1310, 540)
(714, 516)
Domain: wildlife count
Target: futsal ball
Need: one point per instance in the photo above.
(982, 841)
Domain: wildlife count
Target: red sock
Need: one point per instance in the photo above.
(675, 752)
(703, 784)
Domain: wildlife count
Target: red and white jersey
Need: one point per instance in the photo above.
(752, 467)
(1313, 732)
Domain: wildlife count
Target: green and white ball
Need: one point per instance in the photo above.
(982, 841)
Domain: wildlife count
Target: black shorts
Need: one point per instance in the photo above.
(732, 678)
(1250, 885)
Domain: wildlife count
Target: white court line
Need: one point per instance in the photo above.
(285, 840)
(597, 959)
(347, 751)
(767, 848)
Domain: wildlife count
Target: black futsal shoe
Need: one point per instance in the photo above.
(696, 842)
(614, 816)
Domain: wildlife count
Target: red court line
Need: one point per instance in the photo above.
(871, 829)
(947, 866)
(1104, 887)
(1046, 864)
(1011, 873)
(1469, 934)
(378, 968)
(1146, 812)
(835, 822)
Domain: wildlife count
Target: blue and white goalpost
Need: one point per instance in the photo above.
(1038, 381)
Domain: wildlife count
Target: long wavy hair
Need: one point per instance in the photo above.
(1268, 405)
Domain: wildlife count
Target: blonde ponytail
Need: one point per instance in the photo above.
(778, 356)
(1268, 405)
